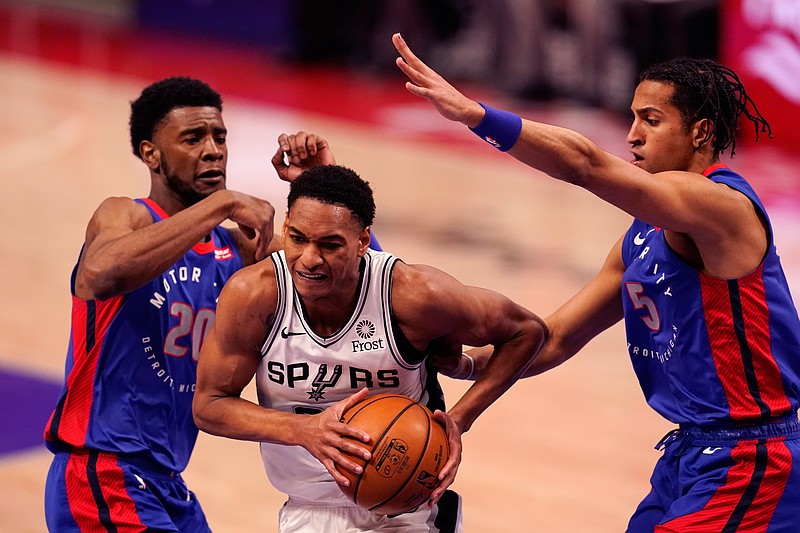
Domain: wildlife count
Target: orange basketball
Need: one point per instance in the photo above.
(409, 448)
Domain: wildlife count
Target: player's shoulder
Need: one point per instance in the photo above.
(257, 280)
(120, 202)
(117, 211)
(422, 286)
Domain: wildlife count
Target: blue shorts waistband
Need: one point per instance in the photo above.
(142, 462)
(787, 427)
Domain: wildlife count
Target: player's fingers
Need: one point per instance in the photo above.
(353, 432)
(262, 247)
(283, 142)
(278, 161)
(454, 442)
(355, 398)
(299, 142)
(416, 77)
(354, 447)
(330, 466)
(405, 52)
(312, 143)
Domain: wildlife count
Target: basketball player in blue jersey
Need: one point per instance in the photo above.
(712, 331)
(326, 322)
(144, 295)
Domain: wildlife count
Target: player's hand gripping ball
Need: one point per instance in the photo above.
(409, 448)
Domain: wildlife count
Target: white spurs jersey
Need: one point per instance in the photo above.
(304, 373)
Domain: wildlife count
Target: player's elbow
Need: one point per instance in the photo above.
(100, 279)
(201, 412)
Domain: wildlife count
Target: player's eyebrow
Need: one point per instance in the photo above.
(332, 237)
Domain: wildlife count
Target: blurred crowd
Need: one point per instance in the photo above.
(585, 50)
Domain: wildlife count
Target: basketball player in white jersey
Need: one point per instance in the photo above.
(326, 322)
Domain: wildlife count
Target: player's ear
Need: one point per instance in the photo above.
(702, 132)
(285, 225)
(150, 155)
(364, 240)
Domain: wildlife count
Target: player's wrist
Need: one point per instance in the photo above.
(499, 128)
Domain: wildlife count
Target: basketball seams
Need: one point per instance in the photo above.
(407, 453)
(370, 401)
(378, 440)
(420, 458)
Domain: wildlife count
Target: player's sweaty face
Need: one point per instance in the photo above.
(323, 245)
(659, 141)
(193, 151)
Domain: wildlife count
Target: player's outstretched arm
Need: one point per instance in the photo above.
(124, 249)
(720, 221)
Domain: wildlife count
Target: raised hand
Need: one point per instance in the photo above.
(427, 83)
(299, 152)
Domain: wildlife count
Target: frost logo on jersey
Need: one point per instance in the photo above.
(319, 384)
(366, 329)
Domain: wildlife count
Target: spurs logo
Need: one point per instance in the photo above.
(319, 384)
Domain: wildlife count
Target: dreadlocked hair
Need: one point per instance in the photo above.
(704, 89)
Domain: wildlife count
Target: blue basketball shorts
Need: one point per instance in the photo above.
(95, 491)
(735, 479)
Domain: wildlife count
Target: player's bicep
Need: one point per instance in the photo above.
(114, 218)
(489, 318)
(459, 313)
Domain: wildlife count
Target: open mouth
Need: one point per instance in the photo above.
(311, 277)
(211, 175)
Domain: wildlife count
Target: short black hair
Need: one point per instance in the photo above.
(161, 97)
(335, 185)
(704, 89)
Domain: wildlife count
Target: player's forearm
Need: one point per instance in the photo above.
(240, 419)
(559, 152)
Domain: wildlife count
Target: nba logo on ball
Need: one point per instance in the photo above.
(392, 459)
(408, 448)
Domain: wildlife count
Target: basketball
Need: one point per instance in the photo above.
(409, 448)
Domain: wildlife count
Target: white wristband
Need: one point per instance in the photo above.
(471, 373)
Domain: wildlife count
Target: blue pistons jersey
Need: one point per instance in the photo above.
(710, 351)
(132, 359)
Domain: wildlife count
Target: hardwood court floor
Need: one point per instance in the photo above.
(564, 452)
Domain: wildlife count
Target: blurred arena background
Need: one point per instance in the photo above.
(567, 451)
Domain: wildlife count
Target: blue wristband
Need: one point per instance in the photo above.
(499, 128)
